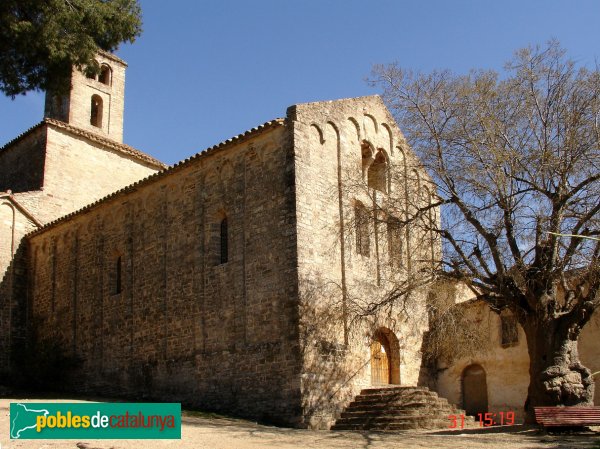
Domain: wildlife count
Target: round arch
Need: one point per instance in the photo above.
(105, 76)
(474, 390)
(385, 357)
(96, 111)
(378, 172)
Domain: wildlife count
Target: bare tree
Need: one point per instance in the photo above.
(515, 160)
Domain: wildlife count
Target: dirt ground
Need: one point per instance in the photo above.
(224, 433)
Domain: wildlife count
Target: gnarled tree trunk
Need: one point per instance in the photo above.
(556, 375)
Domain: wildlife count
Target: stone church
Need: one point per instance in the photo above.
(237, 280)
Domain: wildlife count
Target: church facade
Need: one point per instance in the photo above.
(240, 280)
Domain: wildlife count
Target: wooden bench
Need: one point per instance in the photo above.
(567, 416)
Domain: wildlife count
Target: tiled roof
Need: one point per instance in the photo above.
(107, 143)
(161, 174)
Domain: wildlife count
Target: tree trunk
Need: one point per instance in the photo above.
(556, 376)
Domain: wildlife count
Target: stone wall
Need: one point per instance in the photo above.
(182, 326)
(22, 162)
(54, 171)
(80, 171)
(14, 224)
(337, 283)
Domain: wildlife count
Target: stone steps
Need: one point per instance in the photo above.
(411, 399)
(398, 411)
(406, 424)
(398, 408)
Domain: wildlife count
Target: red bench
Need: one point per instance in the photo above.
(567, 416)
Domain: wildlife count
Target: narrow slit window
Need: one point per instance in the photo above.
(224, 241)
(118, 276)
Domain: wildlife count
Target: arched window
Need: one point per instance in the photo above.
(224, 240)
(105, 75)
(96, 111)
(361, 219)
(377, 175)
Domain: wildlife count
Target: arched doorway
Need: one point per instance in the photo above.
(474, 389)
(385, 358)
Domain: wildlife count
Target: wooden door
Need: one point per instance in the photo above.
(380, 364)
(474, 384)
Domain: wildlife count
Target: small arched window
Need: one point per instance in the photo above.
(224, 240)
(105, 76)
(377, 175)
(96, 111)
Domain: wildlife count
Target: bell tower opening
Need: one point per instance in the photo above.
(95, 101)
(96, 111)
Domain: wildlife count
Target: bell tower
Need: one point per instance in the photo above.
(94, 103)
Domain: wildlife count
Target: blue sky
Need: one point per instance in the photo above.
(204, 71)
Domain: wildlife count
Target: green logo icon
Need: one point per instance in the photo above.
(23, 418)
(90, 420)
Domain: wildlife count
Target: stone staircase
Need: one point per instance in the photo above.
(399, 408)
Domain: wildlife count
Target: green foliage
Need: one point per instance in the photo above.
(40, 40)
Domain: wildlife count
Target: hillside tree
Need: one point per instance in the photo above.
(515, 162)
(41, 40)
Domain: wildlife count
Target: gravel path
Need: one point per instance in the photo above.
(219, 433)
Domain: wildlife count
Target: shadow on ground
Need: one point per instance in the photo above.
(202, 430)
